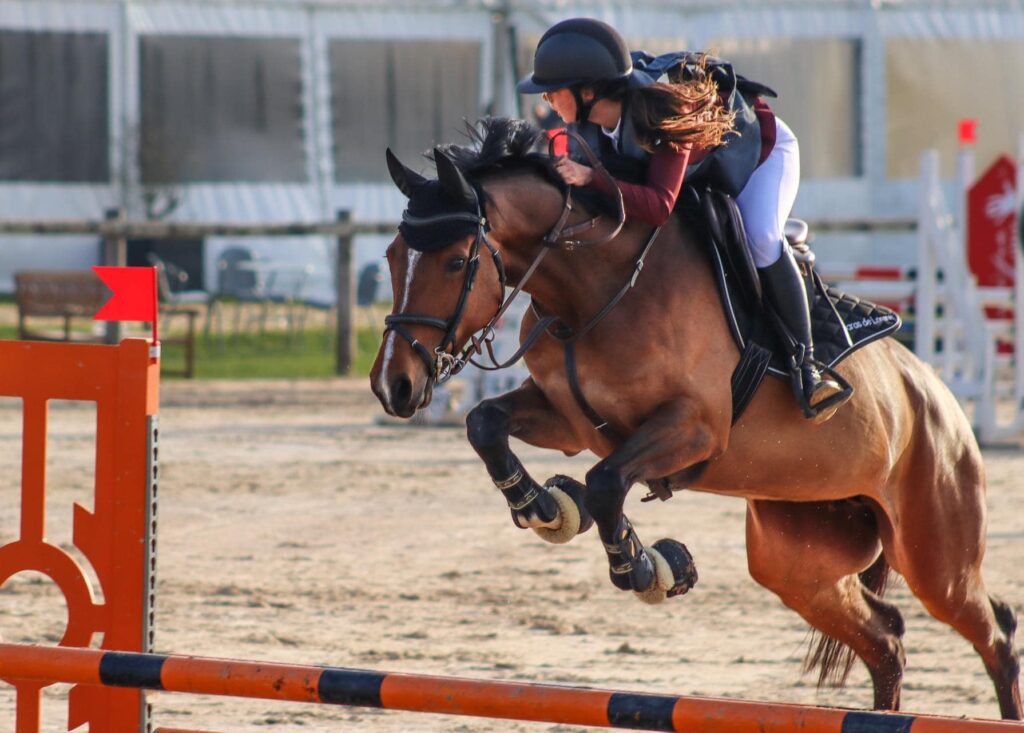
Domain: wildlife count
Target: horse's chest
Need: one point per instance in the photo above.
(600, 394)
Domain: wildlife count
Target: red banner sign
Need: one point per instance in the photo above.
(991, 221)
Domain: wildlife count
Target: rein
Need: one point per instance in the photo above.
(443, 363)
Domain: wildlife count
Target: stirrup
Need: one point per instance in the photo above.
(823, 409)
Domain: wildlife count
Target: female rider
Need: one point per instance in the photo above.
(651, 135)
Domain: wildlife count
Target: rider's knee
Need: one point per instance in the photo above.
(486, 424)
(605, 491)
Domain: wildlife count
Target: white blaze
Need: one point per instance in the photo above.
(383, 387)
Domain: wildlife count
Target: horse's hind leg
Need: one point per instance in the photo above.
(986, 622)
(556, 514)
(938, 545)
(811, 555)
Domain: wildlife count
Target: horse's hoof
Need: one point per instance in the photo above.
(570, 516)
(568, 494)
(662, 581)
(675, 572)
(534, 508)
(575, 490)
(684, 570)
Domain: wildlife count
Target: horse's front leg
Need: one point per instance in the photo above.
(555, 511)
(675, 437)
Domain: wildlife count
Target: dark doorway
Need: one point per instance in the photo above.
(186, 255)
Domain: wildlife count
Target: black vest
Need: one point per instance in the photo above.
(627, 163)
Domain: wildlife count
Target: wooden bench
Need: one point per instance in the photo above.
(78, 294)
(64, 294)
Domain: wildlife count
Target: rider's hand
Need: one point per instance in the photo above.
(573, 173)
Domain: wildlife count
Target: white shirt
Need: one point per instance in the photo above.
(614, 135)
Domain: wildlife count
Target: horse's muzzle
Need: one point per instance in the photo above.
(403, 395)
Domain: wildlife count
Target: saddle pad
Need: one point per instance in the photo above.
(845, 323)
(841, 323)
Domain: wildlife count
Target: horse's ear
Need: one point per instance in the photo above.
(405, 178)
(454, 185)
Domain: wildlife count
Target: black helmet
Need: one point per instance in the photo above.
(574, 52)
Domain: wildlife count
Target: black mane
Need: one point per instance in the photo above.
(502, 143)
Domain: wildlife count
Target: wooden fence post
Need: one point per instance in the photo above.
(115, 254)
(345, 343)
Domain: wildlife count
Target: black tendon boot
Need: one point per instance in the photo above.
(819, 396)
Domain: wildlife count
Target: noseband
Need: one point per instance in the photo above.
(444, 363)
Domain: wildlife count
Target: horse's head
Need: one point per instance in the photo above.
(444, 290)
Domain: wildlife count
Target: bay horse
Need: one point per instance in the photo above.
(893, 480)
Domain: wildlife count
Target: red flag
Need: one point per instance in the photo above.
(134, 297)
(967, 132)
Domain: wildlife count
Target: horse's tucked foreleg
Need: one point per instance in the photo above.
(670, 441)
(554, 510)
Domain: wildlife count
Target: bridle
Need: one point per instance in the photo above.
(444, 363)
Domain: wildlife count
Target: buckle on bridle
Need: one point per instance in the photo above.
(446, 365)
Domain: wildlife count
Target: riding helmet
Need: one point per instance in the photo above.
(574, 52)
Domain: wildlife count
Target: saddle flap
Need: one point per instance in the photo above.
(727, 233)
(840, 323)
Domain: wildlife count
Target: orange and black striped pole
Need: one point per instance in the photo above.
(456, 696)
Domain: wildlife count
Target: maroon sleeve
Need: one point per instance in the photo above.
(766, 119)
(652, 201)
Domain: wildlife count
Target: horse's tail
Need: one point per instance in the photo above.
(833, 658)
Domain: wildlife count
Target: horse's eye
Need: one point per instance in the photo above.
(456, 263)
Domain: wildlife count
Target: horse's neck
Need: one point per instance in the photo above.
(569, 282)
(576, 284)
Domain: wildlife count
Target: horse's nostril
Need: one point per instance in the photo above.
(401, 391)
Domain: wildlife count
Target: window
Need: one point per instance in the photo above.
(54, 107)
(933, 83)
(819, 95)
(406, 95)
(218, 109)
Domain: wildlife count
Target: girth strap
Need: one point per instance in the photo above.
(572, 375)
(747, 376)
(600, 424)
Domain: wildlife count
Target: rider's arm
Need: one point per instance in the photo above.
(652, 201)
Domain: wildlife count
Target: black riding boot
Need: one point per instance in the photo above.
(787, 294)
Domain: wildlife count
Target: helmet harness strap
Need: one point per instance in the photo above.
(583, 108)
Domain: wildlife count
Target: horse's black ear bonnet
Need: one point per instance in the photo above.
(428, 201)
(439, 212)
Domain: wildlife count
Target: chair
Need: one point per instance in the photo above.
(370, 279)
(286, 283)
(171, 282)
(239, 280)
(177, 301)
(368, 289)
